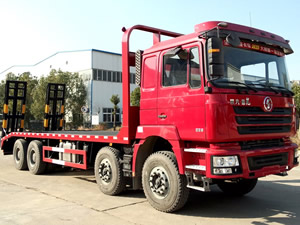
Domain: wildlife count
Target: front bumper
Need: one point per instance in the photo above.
(252, 163)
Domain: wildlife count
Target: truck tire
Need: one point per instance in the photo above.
(35, 158)
(163, 186)
(20, 154)
(108, 171)
(237, 187)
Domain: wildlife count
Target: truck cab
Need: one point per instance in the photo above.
(221, 97)
(201, 82)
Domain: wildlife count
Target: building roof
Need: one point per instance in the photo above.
(4, 72)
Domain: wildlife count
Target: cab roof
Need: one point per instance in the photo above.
(244, 31)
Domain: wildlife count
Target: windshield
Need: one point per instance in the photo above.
(252, 68)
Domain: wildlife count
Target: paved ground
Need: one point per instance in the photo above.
(74, 198)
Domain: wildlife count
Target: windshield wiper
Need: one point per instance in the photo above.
(265, 85)
(283, 88)
(240, 83)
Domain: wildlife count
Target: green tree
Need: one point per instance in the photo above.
(296, 90)
(9, 76)
(2, 90)
(115, 101)
(75, 96)
(31, 84)
(135, 97)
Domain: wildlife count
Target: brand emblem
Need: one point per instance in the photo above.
(268, 104)
(244, 102)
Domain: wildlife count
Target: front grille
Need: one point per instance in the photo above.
(258, 162)
(263, 129)
(258, 110)
(262, 120)
(280, 118)
(251, 145)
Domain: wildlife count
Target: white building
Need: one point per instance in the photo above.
(101, 71)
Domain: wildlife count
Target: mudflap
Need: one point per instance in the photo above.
(7, 146)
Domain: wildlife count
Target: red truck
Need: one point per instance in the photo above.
(216, 108)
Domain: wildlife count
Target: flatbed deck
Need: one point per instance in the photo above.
(84, 132)
(72, 135)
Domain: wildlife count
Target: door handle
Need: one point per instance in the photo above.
(162, 116)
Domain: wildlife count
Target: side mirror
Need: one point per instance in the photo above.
(215, 57)
(233, 40)
(216, 70)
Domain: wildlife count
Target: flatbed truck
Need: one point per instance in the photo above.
(215, 108)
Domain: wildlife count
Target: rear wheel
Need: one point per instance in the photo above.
(108, 171)
(34, 158)
(20, 154)
(237, 187)
(164, 187)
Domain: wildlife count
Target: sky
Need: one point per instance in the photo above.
(32, 30)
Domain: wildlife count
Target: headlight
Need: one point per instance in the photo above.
(296, 153)
(225, 161)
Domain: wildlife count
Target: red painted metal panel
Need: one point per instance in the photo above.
(76, 165)
(236, 27)
(244, 161)
(120, 139)
(181, 105)
(148, 103)
(168, 132)
(221, 121)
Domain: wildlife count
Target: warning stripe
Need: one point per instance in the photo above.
(89, 138)
(65, 163)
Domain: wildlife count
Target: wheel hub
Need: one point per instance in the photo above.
(159, 182)
(32, 157)
(105, 171)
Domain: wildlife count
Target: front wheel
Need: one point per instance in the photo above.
(237, 187)
(108, 171)
(163, 186)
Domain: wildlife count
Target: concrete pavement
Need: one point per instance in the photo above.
(74, 198)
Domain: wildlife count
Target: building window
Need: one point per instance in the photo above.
(95, 74)
(99, 77)
(104, 75)
(119, 77)
(108, 115)
(132, 78)
(111, 76)
(114, 76)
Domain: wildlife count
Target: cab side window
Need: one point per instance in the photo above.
(175, 69)
(181, 66)
(194, 73)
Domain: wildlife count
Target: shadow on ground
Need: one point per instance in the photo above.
(276, 201)
(271, 201)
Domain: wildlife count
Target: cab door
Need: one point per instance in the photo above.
(148, 102)
(180, 99)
